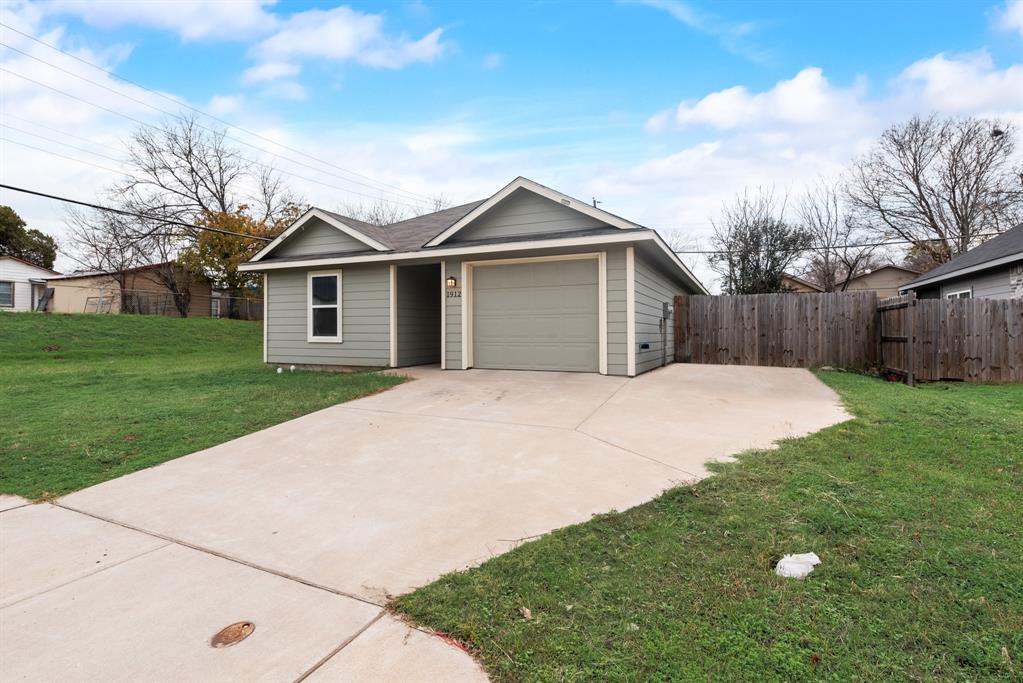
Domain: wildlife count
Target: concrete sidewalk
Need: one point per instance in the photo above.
(305, 529)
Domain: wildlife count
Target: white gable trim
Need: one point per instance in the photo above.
(553, 195)
(326, 218)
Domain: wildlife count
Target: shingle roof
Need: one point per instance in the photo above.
(412, 233)
(1008, 243)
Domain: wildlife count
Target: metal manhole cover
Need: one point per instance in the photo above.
(233, 634)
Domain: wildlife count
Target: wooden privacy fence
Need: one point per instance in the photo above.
(976, 340)
(921, 340)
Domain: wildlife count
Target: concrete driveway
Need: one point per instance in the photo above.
(305, 529)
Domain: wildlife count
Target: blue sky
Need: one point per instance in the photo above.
(661, 108)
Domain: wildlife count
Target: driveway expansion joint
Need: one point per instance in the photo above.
(344, 643)
(223, 556)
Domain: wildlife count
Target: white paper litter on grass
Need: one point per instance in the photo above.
(797, 566)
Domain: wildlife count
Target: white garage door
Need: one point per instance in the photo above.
(536, 316)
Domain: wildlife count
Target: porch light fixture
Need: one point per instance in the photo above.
(452, 282)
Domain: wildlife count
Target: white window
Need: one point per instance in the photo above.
(6, 295)
(215, 307)
(960, 294)
(325, 306)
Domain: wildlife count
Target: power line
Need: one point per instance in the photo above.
(58, 142)
(140, 122)
(199, 111)
(830, 248)
(58, 154)
(132, 214)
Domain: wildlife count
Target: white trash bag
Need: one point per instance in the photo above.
(797, 566)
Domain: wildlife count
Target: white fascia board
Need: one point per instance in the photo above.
(595, 240)
(553, 195)
(329, 220)
(964, 271)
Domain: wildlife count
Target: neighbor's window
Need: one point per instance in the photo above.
(325, 306)
(6, 295)
(962, 294)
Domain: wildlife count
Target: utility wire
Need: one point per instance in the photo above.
(57, 142)
(199, 111)
(832, 247)
(132, 214)
(58, 154)
(140, 122)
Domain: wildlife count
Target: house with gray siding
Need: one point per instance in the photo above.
(527, 279)
(992, 270)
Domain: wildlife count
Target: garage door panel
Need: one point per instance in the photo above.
(536, 316)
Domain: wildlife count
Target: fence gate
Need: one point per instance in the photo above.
(897, 341)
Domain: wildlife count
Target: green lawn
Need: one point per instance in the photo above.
(915, 507)
(86, 398)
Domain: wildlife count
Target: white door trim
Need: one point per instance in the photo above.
(394, 316)
(466, 301)
(599, 256)
(602, 311)
(630, 310)
(443, 315)
(266, 312)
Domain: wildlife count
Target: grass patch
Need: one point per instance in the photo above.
(915, 507)
(87, 398)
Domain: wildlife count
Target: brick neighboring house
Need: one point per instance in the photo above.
(136, 290)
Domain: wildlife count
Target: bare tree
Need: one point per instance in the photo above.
(754, 245)
(182, 172)
(939, 183)
(384, 212)
(379, 212)
(681, 242)
(838, 247)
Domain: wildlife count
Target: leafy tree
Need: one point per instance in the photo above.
(754, 245)
(941, 184)
(216, 255)
(29, 245)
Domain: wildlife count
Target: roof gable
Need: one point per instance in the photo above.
(333, 220)
(598, 217)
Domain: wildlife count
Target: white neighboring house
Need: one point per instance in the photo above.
(22, 284)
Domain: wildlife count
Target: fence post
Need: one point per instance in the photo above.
(911, 338)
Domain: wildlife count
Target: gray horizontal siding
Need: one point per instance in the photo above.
(317, 237)
(617, 322)
(453, 312)
(653, 289)
(525, 213)
(992, 284)
(365, 323)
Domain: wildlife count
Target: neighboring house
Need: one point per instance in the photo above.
(526, 279)
(885, 280)
(992, 270)
(22, 284)
(791, 283)
(135, 290)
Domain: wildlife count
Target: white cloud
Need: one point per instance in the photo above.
(1010, 18)
(223, 104)
(734, 37)
(286, 90)
(966, 84)
(343, 34)
(190, 19)
(805, 98)
(492, 61)
(269, 71)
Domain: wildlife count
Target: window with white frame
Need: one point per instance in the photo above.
(325, 306)
(6, 295)
(959, 294)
